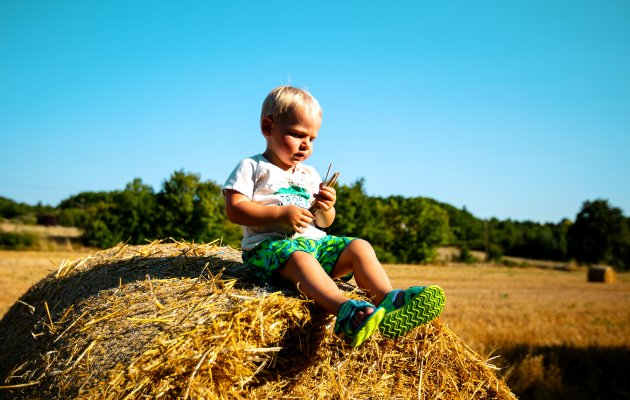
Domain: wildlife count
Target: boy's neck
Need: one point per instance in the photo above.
(274, 160)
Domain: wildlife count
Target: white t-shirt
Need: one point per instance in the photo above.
(266, 184)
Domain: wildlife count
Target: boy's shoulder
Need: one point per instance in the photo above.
(255, 158)
(251, 161)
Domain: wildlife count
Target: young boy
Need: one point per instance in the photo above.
(269, 194)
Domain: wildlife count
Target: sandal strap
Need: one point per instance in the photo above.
(346, 313)
(359, 334)
(412, 292)
(389, 302)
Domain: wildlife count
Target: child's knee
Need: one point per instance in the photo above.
(300, 258)
(361, 247)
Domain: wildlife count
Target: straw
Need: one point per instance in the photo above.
(185, 320)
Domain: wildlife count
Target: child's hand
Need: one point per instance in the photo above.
(297, 218)
(326, 198)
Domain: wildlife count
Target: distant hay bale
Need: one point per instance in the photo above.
(182, 320)
(601, 273)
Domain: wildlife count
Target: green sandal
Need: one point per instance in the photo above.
(368, 326)
(421, 305)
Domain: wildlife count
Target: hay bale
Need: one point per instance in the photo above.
(181, 320)
(601, 273)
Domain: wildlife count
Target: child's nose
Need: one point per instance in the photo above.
(306, 144)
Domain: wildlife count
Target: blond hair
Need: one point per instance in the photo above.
(284, 99)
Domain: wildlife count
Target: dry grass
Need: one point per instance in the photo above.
(19, 270)
(171, 321)
(493, 307)
(48, 238)
(50, 231)
(551, 329)
(557, 335)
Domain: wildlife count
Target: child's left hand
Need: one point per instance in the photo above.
(326, 198)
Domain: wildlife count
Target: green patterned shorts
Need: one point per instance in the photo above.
(272, 254)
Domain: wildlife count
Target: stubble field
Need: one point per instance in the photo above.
(553, 334)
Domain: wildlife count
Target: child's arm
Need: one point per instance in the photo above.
(325, 201)
(241, 210)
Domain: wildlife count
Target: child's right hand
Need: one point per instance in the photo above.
(296, 218)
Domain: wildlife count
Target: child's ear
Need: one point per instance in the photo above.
(266, 124)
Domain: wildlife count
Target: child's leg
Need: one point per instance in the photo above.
(359, 257)
(359, 320)
(404, 309)
(310, 278)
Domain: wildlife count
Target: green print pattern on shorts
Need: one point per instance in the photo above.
(272, 254)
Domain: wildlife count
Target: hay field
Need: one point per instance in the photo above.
(495, 306)
(556, 335)
(47, 238)
(19, 270)
(47, 231)
(488, 306)
(182, 320)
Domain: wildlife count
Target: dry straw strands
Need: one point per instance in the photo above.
(184, 320)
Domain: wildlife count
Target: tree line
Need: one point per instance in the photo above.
(401, 229)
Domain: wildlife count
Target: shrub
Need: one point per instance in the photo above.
(465, 256)
(495, 252)
(17, 240)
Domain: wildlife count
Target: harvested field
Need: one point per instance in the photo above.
(19, 270)
(557, 335)
(170, 320)
(48, 238)
(493, 307)
(554, 335)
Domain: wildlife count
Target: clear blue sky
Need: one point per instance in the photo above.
(516, 110)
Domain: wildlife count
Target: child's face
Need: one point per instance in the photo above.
(290, 139)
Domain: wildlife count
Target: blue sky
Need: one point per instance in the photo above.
(515, 110)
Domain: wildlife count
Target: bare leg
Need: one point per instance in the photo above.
(359, 257)
(310, 278)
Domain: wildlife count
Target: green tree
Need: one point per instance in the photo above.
(208, 220)
(136, 207)
(360, 215)
(190, 209)
(176, 205)
(351, 210)
(466, 230)
(400, 229)
(78, 210)
(103, 226)
(600, 234)
(84, 200)
(14, 210)
(72, 217)
(108, 218)
(420, 227)
(10, 209)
